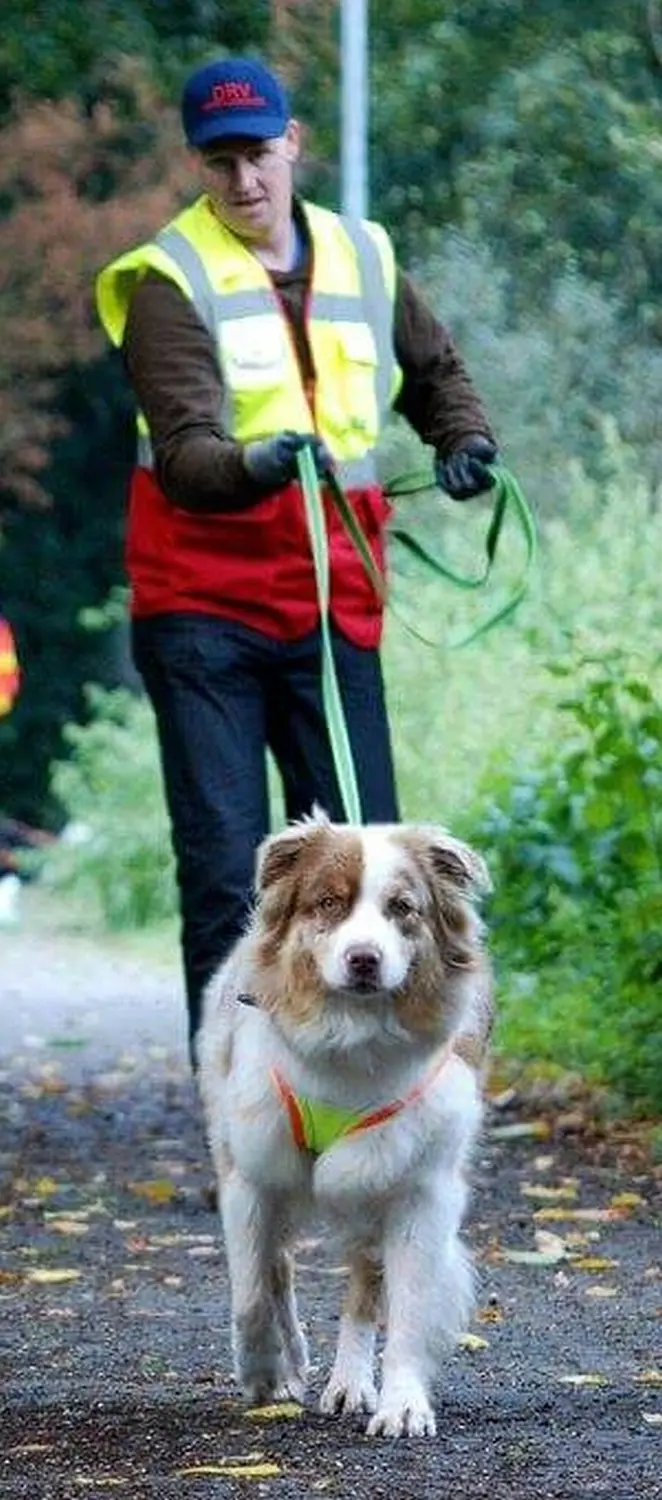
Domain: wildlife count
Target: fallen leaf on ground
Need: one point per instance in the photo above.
(550, 1244)
(106, 1481)
(49, 1087)
(490, 1315)
(581, 1215)
(44, 1276)
(81, 1214)
(523, 1130)
(45, 1187)
(583, 1379)
(231, 1471)
(69, 1226)
(566, 1192)
(593, 1263)
(649, 1377)
(535, 1257)
(159, 1190)
(472, 1342)
(275, 1413)
(654, 1418)
(626, 1200)
(601, 1291)
(23, 1449)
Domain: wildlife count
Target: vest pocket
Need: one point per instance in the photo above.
(357, 370)
(254, 353)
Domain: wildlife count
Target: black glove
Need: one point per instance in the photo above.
(273, 461)
(464, 473)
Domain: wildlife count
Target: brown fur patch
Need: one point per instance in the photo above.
(282, 1276)
(472, 1050)
(449, 874)
(304, 889)
(364, 1293)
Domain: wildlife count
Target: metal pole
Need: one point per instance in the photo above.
(354, 106)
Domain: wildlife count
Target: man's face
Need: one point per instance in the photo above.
(250, 182)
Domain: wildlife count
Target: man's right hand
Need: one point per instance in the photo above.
(273, 461)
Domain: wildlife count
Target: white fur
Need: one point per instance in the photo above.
(394, 1194)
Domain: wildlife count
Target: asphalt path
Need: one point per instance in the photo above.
(113, 1294)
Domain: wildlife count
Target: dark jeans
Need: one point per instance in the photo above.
(222, 694)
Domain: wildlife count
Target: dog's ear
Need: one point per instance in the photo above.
(278, 854)
(457, 862)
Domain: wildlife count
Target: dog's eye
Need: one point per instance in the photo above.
(327, 903)
(401, 906)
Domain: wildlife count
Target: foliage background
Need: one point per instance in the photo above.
(515, 157)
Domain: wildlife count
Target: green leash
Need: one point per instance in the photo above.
(507, 492)
(341, 749)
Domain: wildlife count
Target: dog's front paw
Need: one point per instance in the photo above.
(407, 1415)
(267, 1391)
(345, 1394)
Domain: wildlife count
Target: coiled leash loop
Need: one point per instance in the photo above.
(506, 492)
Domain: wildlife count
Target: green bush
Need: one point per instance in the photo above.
(116, 857)
(575, 846)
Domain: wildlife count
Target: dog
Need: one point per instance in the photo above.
(341, 1063)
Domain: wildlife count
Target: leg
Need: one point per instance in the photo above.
(262, 1310)
(299, 738)
(428, 1296)
(351, 1385)
(295, 1349)
(205, 680)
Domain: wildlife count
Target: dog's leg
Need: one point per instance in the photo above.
(351, 1385)
(294, 1343)
(253, 1232)
(428, 1296)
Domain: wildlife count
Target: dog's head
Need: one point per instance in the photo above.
(350, 918)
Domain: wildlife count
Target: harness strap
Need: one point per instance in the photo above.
(293, 1107)
(350, 1123)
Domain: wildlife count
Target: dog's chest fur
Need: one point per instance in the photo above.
(343, 901)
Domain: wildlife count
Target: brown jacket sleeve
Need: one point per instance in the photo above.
(172, 366)
(437, 396)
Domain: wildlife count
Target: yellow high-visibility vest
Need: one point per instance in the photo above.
(350, 329)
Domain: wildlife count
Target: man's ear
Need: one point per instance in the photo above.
(292, 141)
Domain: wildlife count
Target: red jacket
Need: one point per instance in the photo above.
(253, 565)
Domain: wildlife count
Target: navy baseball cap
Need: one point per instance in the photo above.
(235, 96)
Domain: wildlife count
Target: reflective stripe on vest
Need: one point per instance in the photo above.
(213, 307)
(371, 308)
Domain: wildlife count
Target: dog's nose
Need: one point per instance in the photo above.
(363, 962)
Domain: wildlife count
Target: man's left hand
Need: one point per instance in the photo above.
(465, 473)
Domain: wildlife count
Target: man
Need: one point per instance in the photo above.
(252, 324)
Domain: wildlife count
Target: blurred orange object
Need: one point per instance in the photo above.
(10, 675)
